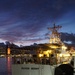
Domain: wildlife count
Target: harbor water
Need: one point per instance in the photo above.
(5, 66)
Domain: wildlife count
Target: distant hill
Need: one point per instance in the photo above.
(2, 44)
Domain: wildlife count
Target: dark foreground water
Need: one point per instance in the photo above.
(5, 66)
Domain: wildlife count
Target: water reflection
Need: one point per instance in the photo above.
(8, 61)
(5, 66)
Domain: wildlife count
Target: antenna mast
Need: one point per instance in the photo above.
(55, 35)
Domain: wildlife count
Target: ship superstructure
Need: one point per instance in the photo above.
(59, 48)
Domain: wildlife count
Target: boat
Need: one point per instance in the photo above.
(45, 61)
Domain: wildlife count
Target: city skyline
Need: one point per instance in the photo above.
(25, 22)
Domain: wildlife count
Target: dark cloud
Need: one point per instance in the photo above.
(68, 37)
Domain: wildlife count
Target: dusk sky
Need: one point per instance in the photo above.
(26, 21)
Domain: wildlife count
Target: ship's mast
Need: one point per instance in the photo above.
(55, 35)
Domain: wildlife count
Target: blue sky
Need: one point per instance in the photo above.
(26, 21)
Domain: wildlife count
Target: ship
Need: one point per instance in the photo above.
(45, 61)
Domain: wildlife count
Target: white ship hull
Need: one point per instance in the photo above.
(32, 69)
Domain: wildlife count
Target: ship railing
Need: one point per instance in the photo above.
(34, 60)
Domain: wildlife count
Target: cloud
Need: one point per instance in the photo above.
(21, 19)
(68, 37)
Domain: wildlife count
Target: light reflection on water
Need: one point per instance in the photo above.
(5, 66)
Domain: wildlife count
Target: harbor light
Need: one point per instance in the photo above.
(64, 47)
(40, 55)
(47, 52)
(8, 51)
(54, 46)
(60, 55)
